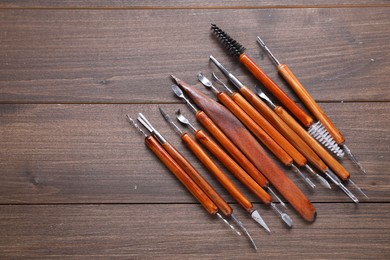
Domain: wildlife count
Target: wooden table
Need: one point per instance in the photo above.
(76, 180)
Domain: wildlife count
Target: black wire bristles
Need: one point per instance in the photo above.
(234, 47)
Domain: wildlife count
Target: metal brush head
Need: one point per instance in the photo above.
(319, 132)
(234, 47)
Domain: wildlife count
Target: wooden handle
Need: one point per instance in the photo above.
(255, 129)
(276, 90)
(233, 167)
(284, 129)
(318, 148)
(198, 179)
(245, 141)
(310, 103)
(232, 149)
(269, 129)
(217, 172)
(171, 164)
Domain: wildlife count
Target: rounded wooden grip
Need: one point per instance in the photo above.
(217, 172)
(310, 103)
(233, 167)
(318, 148)
(269, 129)
(171, 164)
(276, 90)
(232, 149)
(285, 130)
(198, 179)
(255, 129)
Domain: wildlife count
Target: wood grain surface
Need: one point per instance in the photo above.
(76, 179)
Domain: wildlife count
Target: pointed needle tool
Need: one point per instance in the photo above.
(233, 190)
(311, 104)
(230, 164)
(229, 146)
(353, 158)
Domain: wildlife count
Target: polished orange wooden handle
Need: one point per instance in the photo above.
(284, 129)
(232, 149)
(255, 129)
(269, 129)
(233, 167)
(171, 164)
(310, 103)
(217, 172)
(198, 179)
(318, 148)
(276, 90)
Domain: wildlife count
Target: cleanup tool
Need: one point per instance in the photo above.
(191, 178)
(244, 140)
(313, 152)
(217, 172)
(260, 127)
(237, 50)
(233, 167)
(311, 104)
(226, 143)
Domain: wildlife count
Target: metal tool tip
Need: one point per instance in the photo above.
(256, 216)
(260, 41)
(176, 89)
(205, 81)
(163, 112)
(286, 218)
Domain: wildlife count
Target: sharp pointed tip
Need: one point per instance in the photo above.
(162, 112)
(267, 228)
(174, 78)
(362, 169)
(256, 217)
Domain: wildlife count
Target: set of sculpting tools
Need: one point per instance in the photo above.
(238, 123)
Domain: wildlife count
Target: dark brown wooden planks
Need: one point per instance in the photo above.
(89, 153)
(177, 231)
(176, 4)
(71, 55)
(150, 4)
